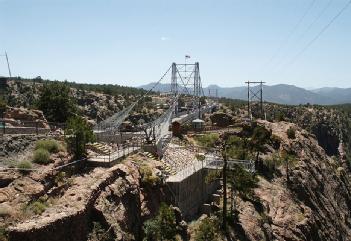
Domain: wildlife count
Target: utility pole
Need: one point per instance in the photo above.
(8, 64)
(248, 99)
(255, 95)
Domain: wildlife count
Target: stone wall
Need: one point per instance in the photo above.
(70, 228)
(24, 130)
(192, 192)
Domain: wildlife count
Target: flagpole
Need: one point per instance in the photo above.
(185, 67)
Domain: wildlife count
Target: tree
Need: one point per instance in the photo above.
(2, 107)
(78, 135)
(289, 159)
(208, 229)
(259, 138)
(291, 133)
(163, 226)
(237, 148)
(56, 102)
(240, 180)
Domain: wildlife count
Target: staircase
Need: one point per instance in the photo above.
(99, 148)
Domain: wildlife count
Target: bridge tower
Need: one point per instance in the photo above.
(197, 86)
(174, 85)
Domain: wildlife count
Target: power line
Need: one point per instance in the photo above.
(288, 37)
(343, 9)
(316, 19)
(304, 33)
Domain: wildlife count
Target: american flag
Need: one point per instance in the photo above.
(187, 56)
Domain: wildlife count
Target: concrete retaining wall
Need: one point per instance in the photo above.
(192, 192)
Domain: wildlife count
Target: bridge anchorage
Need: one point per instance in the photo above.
(185, 104)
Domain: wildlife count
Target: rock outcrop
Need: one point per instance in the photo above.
(25, 117)
(114, 197)
(314, 205)
(68, 219)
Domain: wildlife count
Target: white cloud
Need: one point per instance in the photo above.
(164, 38)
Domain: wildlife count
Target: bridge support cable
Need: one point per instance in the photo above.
(154, 129)
(112, 123)
(158, 130)
(184, 84)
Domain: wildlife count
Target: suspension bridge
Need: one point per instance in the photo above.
(156, 136)
(185, 79)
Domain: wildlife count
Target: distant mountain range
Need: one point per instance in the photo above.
(281, 93)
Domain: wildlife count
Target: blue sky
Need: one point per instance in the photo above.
(133, 42)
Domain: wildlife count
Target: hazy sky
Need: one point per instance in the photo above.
(133, 42)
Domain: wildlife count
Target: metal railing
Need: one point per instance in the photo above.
(118, 152)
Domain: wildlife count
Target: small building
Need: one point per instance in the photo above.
(198, 124)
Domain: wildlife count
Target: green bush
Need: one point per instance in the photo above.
(291, 133)
(208, 230)
(24, 165)
(41, 156)
(147, 176)
(200, 157)
(60, 178)
(98, 232)
(162, 227)
(237, 148)
(207, 140)
(3, 234)
(37, 207)
(51, 146)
